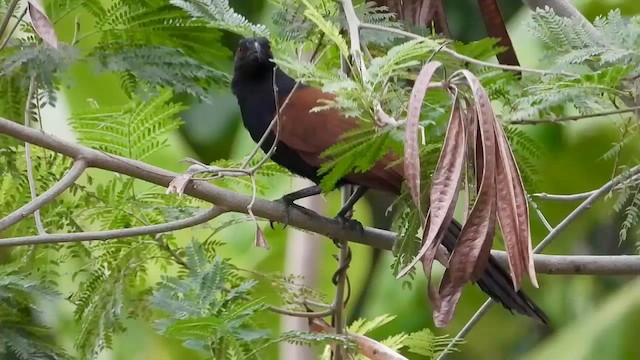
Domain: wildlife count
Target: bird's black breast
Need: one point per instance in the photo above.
(257, 107)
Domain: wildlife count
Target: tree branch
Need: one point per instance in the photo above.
(230, 201)
(115, 234)
(574, 117)
(46, 197)
(27, 149)
(609, 265)
(7, 17)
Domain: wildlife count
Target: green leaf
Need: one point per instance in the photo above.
(330, 30)
(151, 66)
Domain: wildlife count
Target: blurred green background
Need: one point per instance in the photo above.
(593, 317)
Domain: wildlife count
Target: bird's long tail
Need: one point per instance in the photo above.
(496, 282)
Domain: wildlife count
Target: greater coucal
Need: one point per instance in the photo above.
(303, 136)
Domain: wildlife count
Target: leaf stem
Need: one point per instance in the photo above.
(7, 17)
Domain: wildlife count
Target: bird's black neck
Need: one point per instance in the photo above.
(255, 94)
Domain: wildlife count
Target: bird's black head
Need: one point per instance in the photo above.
(253, 57)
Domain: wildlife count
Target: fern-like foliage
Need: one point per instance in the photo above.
(220, 15)
(147, 43)
(612, 55)
(567, 41)
(210, 309)
(21, 335)
(154, 66)
(136, 131)
(423, 342)
(294, 25)
(207, 306)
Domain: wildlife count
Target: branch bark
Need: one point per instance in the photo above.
(230, 201)
(46, 197)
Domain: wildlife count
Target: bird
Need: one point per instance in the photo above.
(261, 88)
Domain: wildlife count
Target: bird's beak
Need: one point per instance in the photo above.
(256, 45)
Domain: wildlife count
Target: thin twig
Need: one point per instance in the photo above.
(573, 117)
(582, 196)
(344, 257)
(464, 57)
(116, 234)
(302, 314)
(29, 161)
(553, 234)
(63, 184)
(564, 198)
(13, 29)
(174, 254)
(353, 25)
(604, 190)
(164, 245)
(543, 218)
(7, 17)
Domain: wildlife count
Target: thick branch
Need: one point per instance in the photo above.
(231, 201)
(275, 211)
(65, 182)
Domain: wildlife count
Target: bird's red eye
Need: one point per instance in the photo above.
(240, 50)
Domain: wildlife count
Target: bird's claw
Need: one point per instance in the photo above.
(289, 203)
(351, 224)
(287, 207)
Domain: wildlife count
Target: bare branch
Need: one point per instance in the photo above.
(301, 314)
(29, 162)
(63, 184)
(596, 195)
(7, 17)
(633, 180)
(573, 118)
(9, 35)
(116, 234)
(231, 201)
(565, 198)
(610, 265)
(543, 218)
(353, 24)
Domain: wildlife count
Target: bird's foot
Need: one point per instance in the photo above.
(289, 204)
(350, 224)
